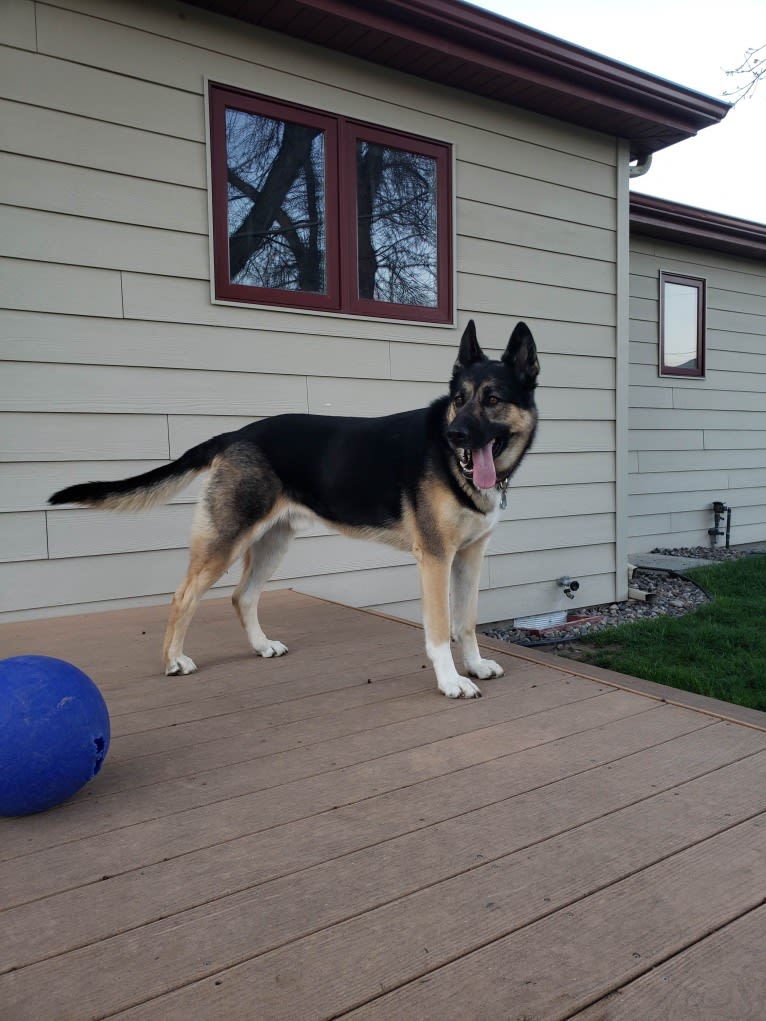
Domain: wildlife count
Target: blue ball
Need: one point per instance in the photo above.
(54, 733)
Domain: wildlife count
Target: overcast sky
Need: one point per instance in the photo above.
(693, 44)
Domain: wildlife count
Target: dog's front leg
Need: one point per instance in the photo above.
(434, 585)
(464, 591)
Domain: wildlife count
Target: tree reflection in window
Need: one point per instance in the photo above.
(396, 225)
(276, 203)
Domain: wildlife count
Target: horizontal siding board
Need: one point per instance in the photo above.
(51, 437)
(659, 503)
(479, 219)
(76, 241)
(87, 91)
(676, 482)
(41, 584)
(487, 258)
(693, 460)
(535, 300)
(556, 469)
(501, 188)
(95, 388)
(540, 597)
(375, 586)
(22, 537)
(365, 397)
(658, 439)
(541, 502)
(574, 436)
(81, 191)
(646, 417)
(642, 330)
(713, 400)
(729, 272)
(19, 24)
(560, 533)
(522, 568)
(115, 148)
(650, 524)
(746, 479)
(51, 287)
(721, 381)
(736, 322)
(734, 439)
(29, 336)
(753, 496)
(85, 533)
(570, 404)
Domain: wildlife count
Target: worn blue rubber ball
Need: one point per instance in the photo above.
(54, 733)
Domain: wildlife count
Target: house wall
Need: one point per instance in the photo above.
(693, 441)
(115, 358)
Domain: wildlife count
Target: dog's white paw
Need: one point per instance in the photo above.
(180, 665)
(459, 687)
(270, 648)
(485, 668)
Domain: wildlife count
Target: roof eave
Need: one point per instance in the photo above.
(498, 58)
(688, 225)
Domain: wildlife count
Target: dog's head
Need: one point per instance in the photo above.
(491, 418)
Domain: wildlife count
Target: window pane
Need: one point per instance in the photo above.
(681, 324)
(396, 225)
(276, 203)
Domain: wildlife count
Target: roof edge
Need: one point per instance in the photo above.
(512, 63)
(690, 225)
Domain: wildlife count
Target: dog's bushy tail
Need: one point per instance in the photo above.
(147, 490)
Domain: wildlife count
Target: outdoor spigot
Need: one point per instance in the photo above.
(569, 585)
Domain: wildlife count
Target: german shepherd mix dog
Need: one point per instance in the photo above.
(430, 481)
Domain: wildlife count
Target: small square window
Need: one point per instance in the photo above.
(682, 325)
(314, 211)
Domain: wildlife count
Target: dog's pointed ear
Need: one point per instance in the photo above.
(469, 352)
(521, 356)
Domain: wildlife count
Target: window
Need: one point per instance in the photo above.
(682, 325)
(315, 211)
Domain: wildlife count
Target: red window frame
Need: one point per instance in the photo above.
(341, 136)
(699, 285)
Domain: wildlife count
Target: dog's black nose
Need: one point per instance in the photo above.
(457, 436)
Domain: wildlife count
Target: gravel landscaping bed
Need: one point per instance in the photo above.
(669, 595)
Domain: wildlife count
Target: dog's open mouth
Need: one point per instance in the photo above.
(479, 465)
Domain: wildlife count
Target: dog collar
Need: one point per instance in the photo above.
(502, 488)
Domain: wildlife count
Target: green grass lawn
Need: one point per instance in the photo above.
(719, 650)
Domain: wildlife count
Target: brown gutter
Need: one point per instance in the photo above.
(688, 225)
(462, 46)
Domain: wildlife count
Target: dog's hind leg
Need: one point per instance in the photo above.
(211, 551)
(464, 597)
(260, 561)
(205, 568)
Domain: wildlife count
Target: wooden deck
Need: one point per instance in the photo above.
(325, 836)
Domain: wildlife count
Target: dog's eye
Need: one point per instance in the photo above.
(492, 400)
(459, 401)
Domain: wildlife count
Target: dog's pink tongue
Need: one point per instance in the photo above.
(484, 475)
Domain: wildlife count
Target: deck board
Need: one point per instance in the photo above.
(324, 836)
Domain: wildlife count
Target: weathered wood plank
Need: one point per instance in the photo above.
(633, 838)
(591, 947)
(724, 976)
(148, 843)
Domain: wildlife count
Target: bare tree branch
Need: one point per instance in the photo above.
(753, 69)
